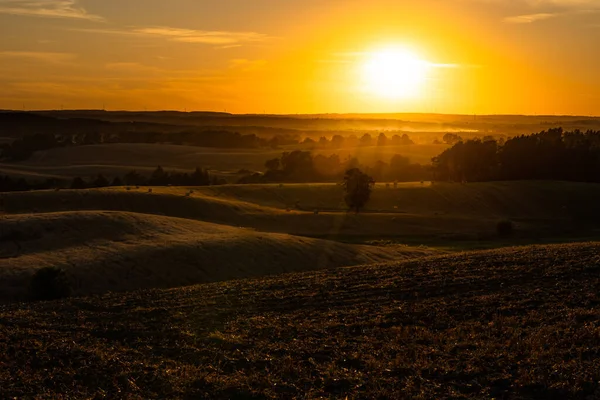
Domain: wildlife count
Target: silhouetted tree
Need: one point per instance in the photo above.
(309, 141)
(134, 178)
(357, 187)
(337, 141)
(382, 140)
(116, 182)
(366, 140)
(297, 166)
(273, 165)
(552, 154)
(101, 181)
(78, 183)
(159, 176)
(451, 138)
(406, 140)
(200, 177)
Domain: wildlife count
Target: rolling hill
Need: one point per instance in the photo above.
(118, 251)
(412, 212)
(517, 323)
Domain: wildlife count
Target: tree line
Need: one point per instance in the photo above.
(159, 177)
(304, 166)
(23, 148)
(549, 155)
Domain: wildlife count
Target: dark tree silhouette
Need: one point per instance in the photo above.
(78, 183)
(357, 187)
(309, 141)
(50, 283)
(337, 141)
(117, 182)
(159, 176)
(366, 140)
(548, 155)
(273, 165)
(101, 182)
(452, 138)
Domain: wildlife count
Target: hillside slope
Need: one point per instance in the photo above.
(410, 212)
(118, 251)
(518, 323)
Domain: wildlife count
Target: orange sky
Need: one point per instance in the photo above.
(482, 56)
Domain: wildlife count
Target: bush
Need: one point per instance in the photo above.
(50, 283)
(505, 228)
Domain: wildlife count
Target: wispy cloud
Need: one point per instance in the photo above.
(47, 8)
(247, 65)
(48, 57)
(541, 10)
(201, 36)
(222, 39)
(529, 18)
(565, 3)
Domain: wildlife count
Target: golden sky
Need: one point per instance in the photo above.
(302, 56)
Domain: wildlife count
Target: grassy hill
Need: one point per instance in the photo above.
(415, 213)
(519, 323)
(119, 251)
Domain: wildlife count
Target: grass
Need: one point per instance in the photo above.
(518, 323)
(413, 213)
(119, 251)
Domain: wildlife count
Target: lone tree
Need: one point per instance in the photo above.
(357, 186)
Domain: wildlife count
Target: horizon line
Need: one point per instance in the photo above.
(294, 114)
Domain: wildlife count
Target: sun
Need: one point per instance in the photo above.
(394, 74)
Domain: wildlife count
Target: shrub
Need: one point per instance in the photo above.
(50, 283)
(505, 228)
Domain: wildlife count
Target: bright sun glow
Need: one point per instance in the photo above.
(395, 74)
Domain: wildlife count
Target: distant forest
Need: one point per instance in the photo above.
(23, 148)
(159, 177)
(303, 166)
(548, 155)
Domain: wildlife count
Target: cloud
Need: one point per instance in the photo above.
(222, 39)
(565, 3)
(53, 58)
(247, 65)
(529, 18)
(47, 8)
(541, 10)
